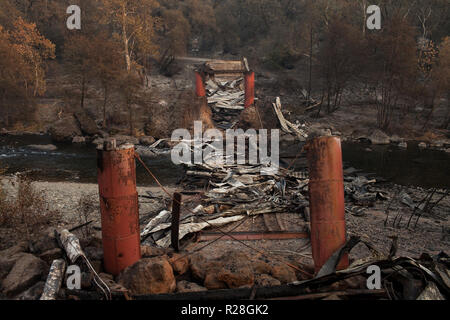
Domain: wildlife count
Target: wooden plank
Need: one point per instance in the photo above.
(223, 65)
(230, 107)
(175, 230)
(210, 236)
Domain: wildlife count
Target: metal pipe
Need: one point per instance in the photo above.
(326, 199)
(199, 85)
(175, 230)
(249, 82)
(119, 206)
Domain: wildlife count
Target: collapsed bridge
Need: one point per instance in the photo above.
(229, 87)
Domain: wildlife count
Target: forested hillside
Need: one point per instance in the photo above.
(121, 42)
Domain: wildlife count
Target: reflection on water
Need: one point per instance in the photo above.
(76, 163)
(410, 167)
(413, 166)
(426, 168)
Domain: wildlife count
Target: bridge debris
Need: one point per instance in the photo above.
(228, 87)
(54, 280)
(287, 126)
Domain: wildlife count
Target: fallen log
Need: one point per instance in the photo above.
(54, 280)
(72, 247)
(175, 221)
(351, 292)
(287, 126)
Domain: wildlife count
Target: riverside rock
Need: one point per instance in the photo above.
(26, 272)
(65, 129)
(379, 137)
(149, 276)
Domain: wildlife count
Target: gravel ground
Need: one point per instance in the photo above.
(431, 235)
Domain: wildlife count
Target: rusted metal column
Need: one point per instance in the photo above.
(199, 85)
(326, 199)
(119, 206)
(249, 83)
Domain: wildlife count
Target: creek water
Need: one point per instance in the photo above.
(73, 163)
(77, 163)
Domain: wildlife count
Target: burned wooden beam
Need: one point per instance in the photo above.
(54, 280)
(375, 293)
(175, 230)
(211, 236)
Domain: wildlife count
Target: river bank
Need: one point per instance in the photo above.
(377, 220)
(380, 213)
(43, 160)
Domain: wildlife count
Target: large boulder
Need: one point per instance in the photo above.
(44, 243)
(151, 251)
(78, 140)
(26, 272)
(20, 247)
(396, 139)
(33, 293)
(43, 147)
(122, 139)
(264, 280)
(212, 282)
(109, 280)
(232, 270)
(272, 272)
(149, 276)
(261, 267)
(379, 137)
(283, 273)
(249, 118)
(8, 257)
(179, 263)
(186, 286)
(50, 255)
(147, 140)
(237, 271)
(319, 130)
(87, 124)
(360, 134)
(199, 265)
(65, 129)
